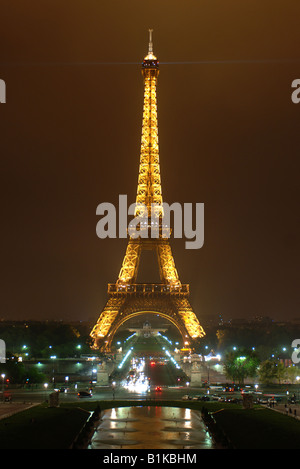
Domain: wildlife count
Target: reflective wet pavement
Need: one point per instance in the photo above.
(151, 428)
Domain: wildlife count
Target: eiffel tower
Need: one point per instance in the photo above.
(126, 298)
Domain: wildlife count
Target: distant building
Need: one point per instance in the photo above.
(146, 330)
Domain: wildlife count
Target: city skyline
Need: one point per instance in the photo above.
(228, 136)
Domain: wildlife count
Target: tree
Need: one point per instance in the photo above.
(292, 373)
(267, 372)
(281, 372)
(270, 370)
(241, 364)
(16, 372)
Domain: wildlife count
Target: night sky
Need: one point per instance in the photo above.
(70, 139)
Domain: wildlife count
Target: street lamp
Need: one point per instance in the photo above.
(297, 379)
(113, 385)
(45, 386)
(3, 376)
(66, 382)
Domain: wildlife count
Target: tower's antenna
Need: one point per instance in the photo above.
(150, 48)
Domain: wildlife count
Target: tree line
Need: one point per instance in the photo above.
(36, 339)
(242, 363)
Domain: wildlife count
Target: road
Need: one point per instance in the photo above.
(99, 393)
(159, 372)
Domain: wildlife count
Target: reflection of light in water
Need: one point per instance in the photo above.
(164, 429)
(113, 415)
(123, 413)
(187, 417)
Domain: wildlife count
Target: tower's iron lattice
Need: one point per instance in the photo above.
(126, 298)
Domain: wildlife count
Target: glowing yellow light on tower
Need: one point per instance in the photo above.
(170, 297)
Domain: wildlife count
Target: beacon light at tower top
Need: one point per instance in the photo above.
(150, 55)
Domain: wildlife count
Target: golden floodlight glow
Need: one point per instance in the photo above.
(127, 299)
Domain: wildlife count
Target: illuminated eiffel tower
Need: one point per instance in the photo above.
(126, 298)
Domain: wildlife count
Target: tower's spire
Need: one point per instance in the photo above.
(150, 55)
(150, 48)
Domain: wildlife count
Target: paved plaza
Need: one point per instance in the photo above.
(10, 408)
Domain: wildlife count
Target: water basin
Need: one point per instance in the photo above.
(151, 428)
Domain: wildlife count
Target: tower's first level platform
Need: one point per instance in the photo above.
(140, 288)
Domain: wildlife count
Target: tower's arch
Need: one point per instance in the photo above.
(121, 320)
(146, 298)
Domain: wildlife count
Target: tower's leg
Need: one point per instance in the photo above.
(166, 263)
(100, 332)
(186, 313)
(130, 264)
